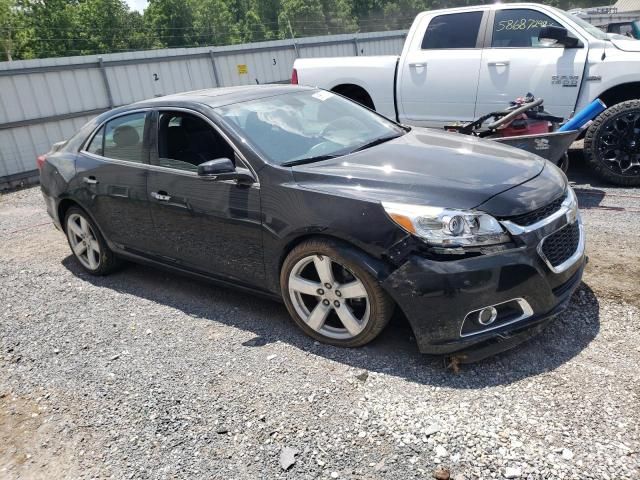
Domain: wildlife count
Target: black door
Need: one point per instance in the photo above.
(113, 180)
(209, 226)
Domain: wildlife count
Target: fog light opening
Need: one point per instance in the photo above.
(487, 316)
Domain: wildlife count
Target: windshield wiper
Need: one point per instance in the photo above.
(375, 142)
(302, 161)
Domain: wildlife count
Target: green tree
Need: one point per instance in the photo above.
(52, 32)
(10, 24)
(338, 15)
(171, 22)
(304, 17)
(253, 30)
(102, 26)
(214, 23)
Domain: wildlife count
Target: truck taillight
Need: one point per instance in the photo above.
(40, 161)
(294, 77)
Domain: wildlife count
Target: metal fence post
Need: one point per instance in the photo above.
(215, 70)
(105, 79)
(356, 46)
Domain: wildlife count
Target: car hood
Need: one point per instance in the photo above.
(424, 167)
(626, 44)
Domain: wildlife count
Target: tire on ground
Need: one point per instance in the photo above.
(596, 134)
(108, 261)
(381, 305)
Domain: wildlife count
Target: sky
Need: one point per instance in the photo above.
(137, 4)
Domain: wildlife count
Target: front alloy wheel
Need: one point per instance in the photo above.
(612, 144)
(331, 298)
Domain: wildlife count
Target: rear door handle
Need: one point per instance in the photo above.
(500, 63)
(90, 180)
(418, 64)
(161, 196)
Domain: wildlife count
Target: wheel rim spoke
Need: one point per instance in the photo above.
(302, 285)
(84, 225)
(79, 248)
(328, 297)
(353, 289)
(348, 320)
(91, 256)
(619, 145)
(75, 228)
(318, 316)
(323, 267)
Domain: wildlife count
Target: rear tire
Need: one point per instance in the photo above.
(612, 144)
(87, 243)
(332, 298)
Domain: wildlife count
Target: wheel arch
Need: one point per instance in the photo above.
(356, 93)
(620, 93)
(378, 268)
(63, 207)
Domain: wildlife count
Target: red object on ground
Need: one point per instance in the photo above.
(524, 126)
(294, 77)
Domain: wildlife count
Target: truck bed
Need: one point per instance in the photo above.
(374, 74)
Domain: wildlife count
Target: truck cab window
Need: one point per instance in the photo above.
(519, 28)
(457, 30)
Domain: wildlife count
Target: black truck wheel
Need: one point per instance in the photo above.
(612, 144)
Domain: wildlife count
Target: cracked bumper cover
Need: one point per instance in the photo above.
(436, 296)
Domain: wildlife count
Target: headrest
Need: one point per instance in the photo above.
(126, 136)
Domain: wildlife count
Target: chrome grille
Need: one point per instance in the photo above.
(538, 214)
(561, 245)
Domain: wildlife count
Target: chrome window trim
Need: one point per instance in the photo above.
(527, 312)
(148, 166)
(577, 255)
(97, 129)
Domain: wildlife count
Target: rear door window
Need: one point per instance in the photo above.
(456, 30)
(123, 138)
(519, 28)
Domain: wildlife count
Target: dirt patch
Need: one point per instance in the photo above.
(614, 274)
(32, 444)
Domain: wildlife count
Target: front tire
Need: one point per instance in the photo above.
(87, 243)
(612, 144)
(332, 298)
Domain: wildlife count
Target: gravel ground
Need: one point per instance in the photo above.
(147, 375)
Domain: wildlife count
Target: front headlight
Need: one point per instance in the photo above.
(447, 227)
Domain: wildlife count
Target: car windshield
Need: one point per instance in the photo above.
(307, 126)
(593, 31)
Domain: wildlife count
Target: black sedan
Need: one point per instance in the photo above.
(300, 194)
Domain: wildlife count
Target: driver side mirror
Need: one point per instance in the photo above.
(224, 169)
(552, 35)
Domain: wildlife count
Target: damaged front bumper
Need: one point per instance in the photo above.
(485, 304)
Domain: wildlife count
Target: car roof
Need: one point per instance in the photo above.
(217, 97)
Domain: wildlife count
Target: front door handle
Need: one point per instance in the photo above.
(500, 63)
(161, 196)
(418, 64)
(90, 180)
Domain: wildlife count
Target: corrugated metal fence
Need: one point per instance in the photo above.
(47, 100)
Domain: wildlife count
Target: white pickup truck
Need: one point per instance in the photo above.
(460, 63)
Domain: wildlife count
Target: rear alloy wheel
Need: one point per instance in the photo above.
(612, 144)
(331, 298)
(87, 244)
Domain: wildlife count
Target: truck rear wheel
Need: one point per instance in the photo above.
(612, 144)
